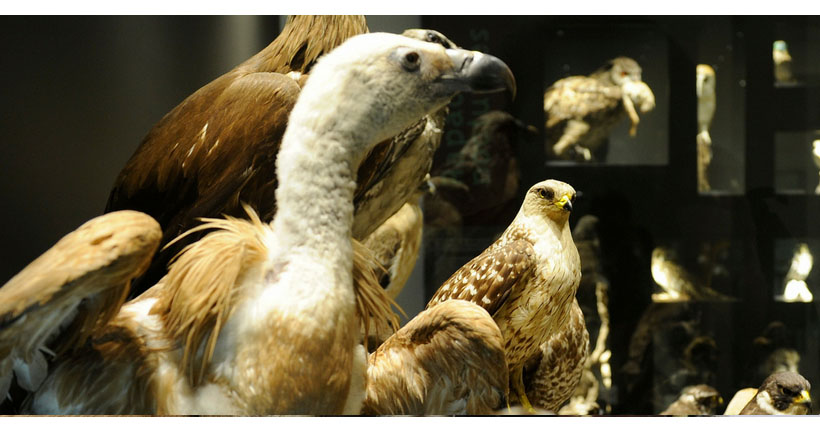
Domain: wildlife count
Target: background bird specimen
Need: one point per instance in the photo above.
(205, 341)
(581, 111)
(705, 87)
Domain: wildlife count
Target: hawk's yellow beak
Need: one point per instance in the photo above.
(565, 203)
(803, 398)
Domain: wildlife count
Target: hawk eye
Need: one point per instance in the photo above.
(411, 61)
(545, 194)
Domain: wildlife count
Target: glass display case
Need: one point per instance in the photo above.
(702, 205)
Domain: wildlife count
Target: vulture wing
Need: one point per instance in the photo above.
(77, 286)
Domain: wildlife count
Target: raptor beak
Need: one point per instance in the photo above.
(479, 73)
(565, 203)
(803, 398)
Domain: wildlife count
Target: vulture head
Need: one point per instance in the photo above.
(384, 82)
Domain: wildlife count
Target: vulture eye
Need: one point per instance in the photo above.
(545, 194)
(572, 200)
(433, 38)
(411, 61)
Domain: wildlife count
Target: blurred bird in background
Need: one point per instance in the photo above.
(782, 63)
(678, 284)
(699, 399)
(705, 87)
(795, 288)
(581, 111)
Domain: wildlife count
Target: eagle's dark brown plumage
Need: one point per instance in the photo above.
(218, 147)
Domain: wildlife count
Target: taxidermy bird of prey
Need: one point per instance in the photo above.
(782, 63)
(77, 286)
(448, 360)
(581, 111)
(484, 176)
(677, 283)
(705, 87)
(783, 393)
(527, 279)
(695, 400)
(217, 149)
(259, 319)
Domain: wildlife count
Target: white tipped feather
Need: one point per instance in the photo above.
(31, 374)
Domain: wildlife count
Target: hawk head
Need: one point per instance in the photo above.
(787, 392)
(550, 198)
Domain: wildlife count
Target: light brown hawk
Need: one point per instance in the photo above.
(527, 279)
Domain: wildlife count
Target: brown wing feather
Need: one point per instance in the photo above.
(487, 279)
(447, 360)
(219, 160)
(88, 272)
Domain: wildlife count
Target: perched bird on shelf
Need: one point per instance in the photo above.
(581, 111)
(695, 400)
(259, 319)
(705, 87)
(678, 284)
(782, 62)
(783, 393)
(527, 279)
(448, 360)
(76, 287)
(217, 149)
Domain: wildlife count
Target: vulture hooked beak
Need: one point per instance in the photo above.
(479, 73)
